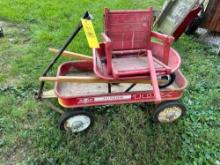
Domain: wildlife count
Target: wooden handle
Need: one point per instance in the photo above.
(93, 79)
(71, 54)
(74, 79)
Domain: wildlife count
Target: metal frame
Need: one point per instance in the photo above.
(60, 52)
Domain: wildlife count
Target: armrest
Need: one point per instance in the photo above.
(105, 38)
(163, 37)
(167, 41)
(108, 52)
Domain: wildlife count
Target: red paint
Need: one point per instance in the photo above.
(114, 98)
(127, 34)
(187, 21)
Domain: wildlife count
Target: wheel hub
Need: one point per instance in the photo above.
(170, 114)
(77, 123)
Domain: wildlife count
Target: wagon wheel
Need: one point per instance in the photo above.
(169, 79)
(169, 112)
(76, 121)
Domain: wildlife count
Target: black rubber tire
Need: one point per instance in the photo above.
(160, 108)
(70, 113)
(172, 79)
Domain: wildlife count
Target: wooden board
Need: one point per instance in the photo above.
(212, 16)
(92, 79)
(67, 89)
(71, 54)
(173, 14)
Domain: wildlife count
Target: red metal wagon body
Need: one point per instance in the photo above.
(72, 95)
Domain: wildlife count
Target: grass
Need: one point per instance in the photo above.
(122, 134)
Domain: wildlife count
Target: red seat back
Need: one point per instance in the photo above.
(128, 29)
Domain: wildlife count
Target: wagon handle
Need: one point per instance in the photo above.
(38, 95)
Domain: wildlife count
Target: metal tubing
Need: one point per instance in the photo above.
(109, 88)
(68, 41)
(130, 87)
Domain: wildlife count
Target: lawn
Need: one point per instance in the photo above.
(123, 134)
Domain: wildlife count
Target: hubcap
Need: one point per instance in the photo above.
(170, 114)
(77, 123)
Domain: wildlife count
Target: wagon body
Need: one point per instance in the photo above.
(72, 95)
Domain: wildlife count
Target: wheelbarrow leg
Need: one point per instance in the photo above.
(153, 76)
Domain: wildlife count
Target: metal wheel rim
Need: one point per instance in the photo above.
(77, 123)
(168, 78)
(170, 114)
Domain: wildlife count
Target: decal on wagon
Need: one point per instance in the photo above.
(105, 98)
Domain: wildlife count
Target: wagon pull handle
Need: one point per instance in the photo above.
(68, 41)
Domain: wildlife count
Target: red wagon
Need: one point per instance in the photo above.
(127, 68)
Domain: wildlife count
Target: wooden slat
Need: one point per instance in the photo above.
(212, 16)
(137, 35)
(92, 79)
(119, 45)
(71, 54)
(117, 28)
(132, 17)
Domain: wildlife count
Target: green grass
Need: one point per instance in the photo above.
(122, 134)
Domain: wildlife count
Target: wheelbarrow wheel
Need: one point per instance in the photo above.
(169, 79)
(77, 120)
(168, 112)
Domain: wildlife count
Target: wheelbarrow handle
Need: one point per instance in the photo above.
(68, 41)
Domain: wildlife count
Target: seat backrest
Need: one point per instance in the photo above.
(128, 29)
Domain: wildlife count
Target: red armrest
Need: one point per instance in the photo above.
(108, 52)
(163, 37)
(167, 41)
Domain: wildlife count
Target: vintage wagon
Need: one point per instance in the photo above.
(128, 67)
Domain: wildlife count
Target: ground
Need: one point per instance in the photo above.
(122, 134)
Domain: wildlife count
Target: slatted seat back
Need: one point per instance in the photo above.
(128, 29)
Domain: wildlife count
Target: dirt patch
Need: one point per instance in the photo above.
(15, 33)
(14, 44)
(17, 153)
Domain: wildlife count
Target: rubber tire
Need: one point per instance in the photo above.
(173, 77)
(165, 105)
(70, 113)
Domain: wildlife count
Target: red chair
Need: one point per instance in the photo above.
(128, 50)
(124, 54)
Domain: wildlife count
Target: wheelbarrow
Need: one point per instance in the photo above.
(78, 86)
